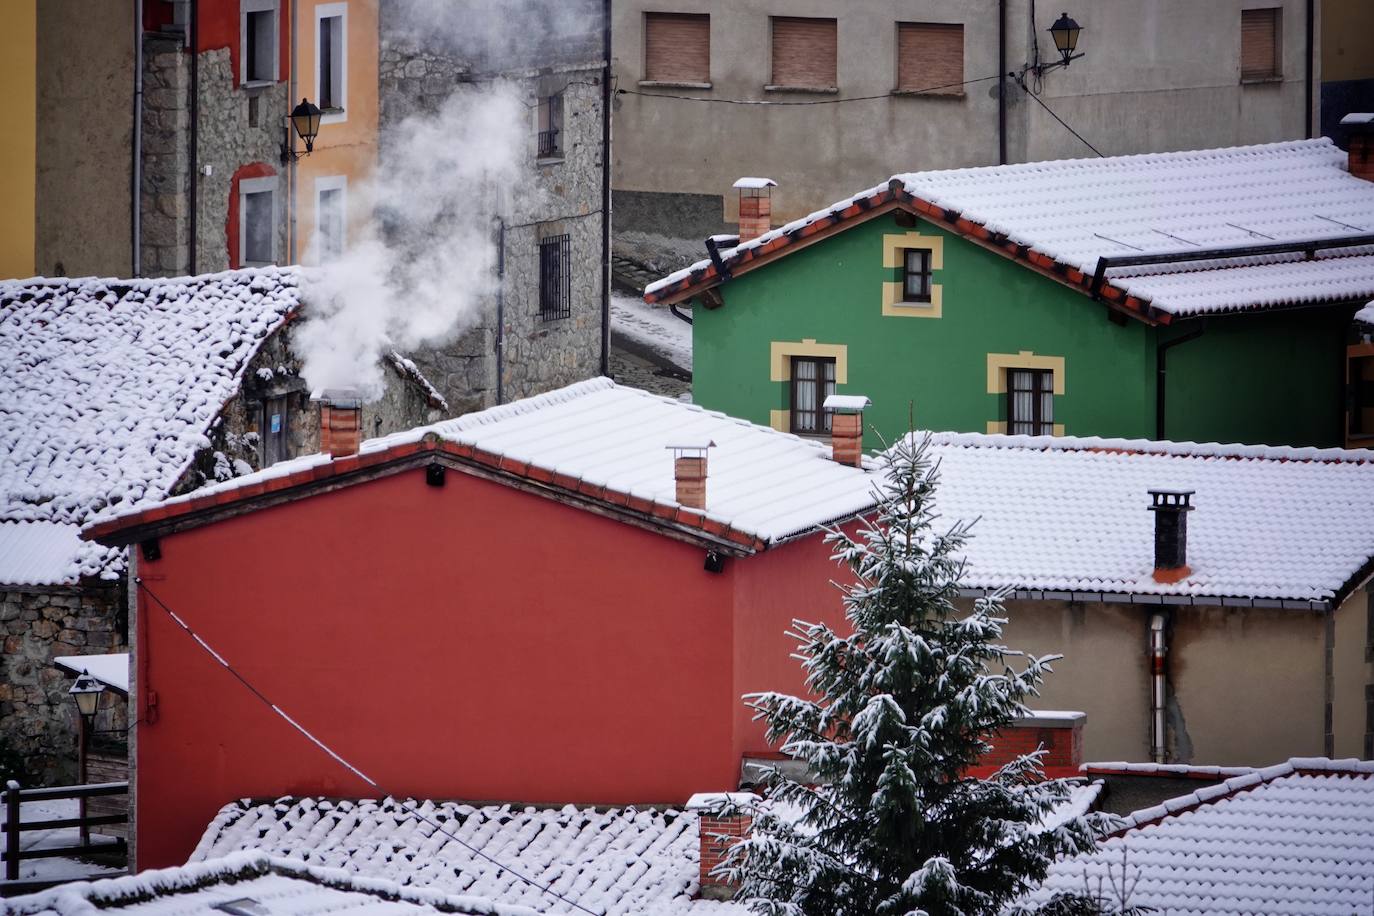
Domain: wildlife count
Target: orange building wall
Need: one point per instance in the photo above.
(470, 641)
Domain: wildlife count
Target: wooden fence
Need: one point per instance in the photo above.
(15, 828)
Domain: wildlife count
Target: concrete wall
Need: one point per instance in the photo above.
(85, 138)
(1352, 676)
(18, 143)
(1156, 76)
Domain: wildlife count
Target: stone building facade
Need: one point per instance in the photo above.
(515, 350)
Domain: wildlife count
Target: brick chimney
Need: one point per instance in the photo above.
(341, 421)
(1360, 142)
(755, 207)
(723, 819)
(1058, 734)
(689, 473)
(1171, 508)
(847, 427)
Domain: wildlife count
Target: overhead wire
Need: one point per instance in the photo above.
(280, 713)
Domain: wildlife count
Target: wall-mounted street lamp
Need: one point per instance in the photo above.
(1065, 32)
(86, 692)
(305, 121)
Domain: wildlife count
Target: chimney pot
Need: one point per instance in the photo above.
(723, 819)
(341, 421)
(1171, 508)
(847, 427)
(689, 474)
(1360, 144)
(755, 207)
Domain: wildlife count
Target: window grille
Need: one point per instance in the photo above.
(1030, 402)
(555, 277)
(813, 380)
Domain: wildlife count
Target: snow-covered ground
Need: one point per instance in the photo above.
(653, 327)
(55, 868)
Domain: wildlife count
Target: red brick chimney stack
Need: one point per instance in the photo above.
(847, 427)
(723, 819)
(689, 474)
(1360, 133)
(1058, 734)
(755, 207)
(341, 421)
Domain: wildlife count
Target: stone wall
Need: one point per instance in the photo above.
(557, 196)
(164, 192)
(35, 711)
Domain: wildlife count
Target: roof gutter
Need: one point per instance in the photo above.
(1288, 604)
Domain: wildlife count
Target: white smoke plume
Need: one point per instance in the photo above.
(418, 271)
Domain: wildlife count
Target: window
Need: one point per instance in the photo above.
(1360, 393)
(677, 48)
(813, 380)
(804, 53)
(330, 213)
(1259, 44)
(275, 444)
(331, 64)
(555, 278)
(258, 36)
(1030, 402)
(257, 222)
(551, 126)
(930, 58)
(916, 275)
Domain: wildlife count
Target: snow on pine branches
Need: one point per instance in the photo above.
(888, 821)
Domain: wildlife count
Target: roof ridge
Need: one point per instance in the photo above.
(272, 270)
(1159, 447)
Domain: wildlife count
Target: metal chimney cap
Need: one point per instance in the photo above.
(1162, 499)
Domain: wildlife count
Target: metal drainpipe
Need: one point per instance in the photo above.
(606, 188)
(1002, 82)
(1159, 649)
(136, 198)
(500, 310)
(193, 185)
(1311, 60)
(291, 240)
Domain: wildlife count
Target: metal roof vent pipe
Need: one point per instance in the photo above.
(689, 474)
(847, 427)
(341, 421)
(1171, 508)
(755, 207)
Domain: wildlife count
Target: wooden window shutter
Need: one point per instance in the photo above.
(930, 57)
(677, 48)
(804, 53)
(1259, 43)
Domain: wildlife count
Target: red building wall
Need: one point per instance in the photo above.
(470, 641)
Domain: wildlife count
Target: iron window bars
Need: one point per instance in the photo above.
(555, 277)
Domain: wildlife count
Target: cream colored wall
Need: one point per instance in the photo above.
(18, 142)
(348, 147)
(1352, 673)
(1347, 40)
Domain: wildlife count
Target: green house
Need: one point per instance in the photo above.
(1203, 296)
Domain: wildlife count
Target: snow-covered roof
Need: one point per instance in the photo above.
(754, 184)
(1287, 840)
(1366, 314)
(617, 861)
(1358, 117)
(111, 670)
(1062, 515)
(1074, 211)
(107, 389)
(254, 883)
(611, 442)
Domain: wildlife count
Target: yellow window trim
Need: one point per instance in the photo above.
(999, 363)
(894, 307)
(1000, 426)
(894, 245)
(782, 351)
(781, 420)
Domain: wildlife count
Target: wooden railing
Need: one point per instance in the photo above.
(15, 796)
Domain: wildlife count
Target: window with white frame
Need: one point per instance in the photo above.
(258, 42)
(257, 222)
(331, 207)
(331, 60)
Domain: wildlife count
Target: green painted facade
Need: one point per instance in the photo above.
(1271, 378)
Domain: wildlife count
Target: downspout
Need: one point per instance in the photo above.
(136, 198)
(606, 188)
(679, 315)
(1159, 650)
(1311, 62)
(1002, 82)
(500, 310)
(193, 183)
(291, 175)
(1161, 352)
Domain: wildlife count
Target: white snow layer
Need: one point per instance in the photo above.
(1078, 210)
(111, 670)
(653, 327)
(107, 390)
(1289, 840)
(1366, 314)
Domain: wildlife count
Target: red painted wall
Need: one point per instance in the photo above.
(220, 27)
(470, 641)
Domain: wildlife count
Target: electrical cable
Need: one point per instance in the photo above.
(837, 101)
(348, 766)
(1022, 84)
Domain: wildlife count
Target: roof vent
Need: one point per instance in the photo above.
(341, 423)
(1171, 508)
(755, 207)
(689, 473)
(847, 427)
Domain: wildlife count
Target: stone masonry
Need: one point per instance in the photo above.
(166, 157)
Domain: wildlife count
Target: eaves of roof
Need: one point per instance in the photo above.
(665, 518)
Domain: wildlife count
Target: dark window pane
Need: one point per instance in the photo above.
(916, 287)
(813, 380)
(1030, 402)
(326, 63)
(257, 228)
(261, 46)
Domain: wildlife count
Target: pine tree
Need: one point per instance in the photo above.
(890, 823)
